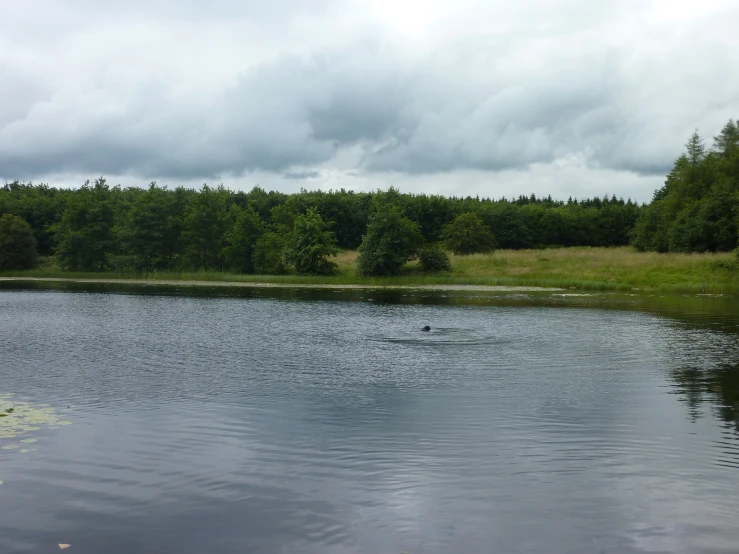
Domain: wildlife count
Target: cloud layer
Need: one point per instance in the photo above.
(382, 91)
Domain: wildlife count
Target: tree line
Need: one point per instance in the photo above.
(98, 227)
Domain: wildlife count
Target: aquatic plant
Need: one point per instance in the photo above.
(20, 418)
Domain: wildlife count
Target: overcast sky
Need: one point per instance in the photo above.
(561, 97)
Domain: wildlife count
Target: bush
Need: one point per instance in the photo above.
(17, 243)
(467, 234)
(433, 260)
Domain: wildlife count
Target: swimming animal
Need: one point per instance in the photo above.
(427, 328)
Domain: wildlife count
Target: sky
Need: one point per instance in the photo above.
(494, 98)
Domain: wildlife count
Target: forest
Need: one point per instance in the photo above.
(99, 227)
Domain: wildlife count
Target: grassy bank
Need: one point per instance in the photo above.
(581, 268)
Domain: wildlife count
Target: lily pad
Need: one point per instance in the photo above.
(20, 418)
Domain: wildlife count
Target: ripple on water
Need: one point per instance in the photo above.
(442, 336)
(226, 424)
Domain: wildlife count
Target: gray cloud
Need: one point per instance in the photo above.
(176, 91)
(301, 175)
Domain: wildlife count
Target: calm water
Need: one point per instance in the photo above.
(288, 421)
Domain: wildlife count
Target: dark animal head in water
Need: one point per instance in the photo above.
(427, 328)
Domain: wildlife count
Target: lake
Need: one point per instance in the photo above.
(191, 420)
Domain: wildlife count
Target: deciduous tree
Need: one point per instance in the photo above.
(17, 243)
(391, 240)
(467, 234)
(309, 245)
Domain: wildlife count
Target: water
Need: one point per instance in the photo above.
(288, 420)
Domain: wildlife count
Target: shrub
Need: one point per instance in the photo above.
(433, 259)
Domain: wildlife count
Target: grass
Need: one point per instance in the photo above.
(582, 268)
(609, 268)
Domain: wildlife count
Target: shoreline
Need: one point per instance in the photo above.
(261, 284)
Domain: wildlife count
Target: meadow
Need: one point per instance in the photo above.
(586, 268)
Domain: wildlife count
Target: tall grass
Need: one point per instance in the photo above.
(579, 267)
(612, 267)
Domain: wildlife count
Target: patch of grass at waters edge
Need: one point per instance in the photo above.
(580, 268)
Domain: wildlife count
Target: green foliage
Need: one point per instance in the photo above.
(651, 230)
(241, 240)
(309, 244)
(283, 217)
(205, 225)
(40, 206)
(150, 233)
(98, 228)
(696, 149)
(17, 243)
(268, 258)
(727, 141)
(391, 240)
(433, 259)
(697, 210)
(84, 235)
(467, 234)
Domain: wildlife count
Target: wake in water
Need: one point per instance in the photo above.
(441, 336)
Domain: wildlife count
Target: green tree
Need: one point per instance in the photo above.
(467, 234)
(652, 230)
(508, 224)
(696, 149)
(309, 244)
(205, 226)
(727, 142)
(241, 240)
(697, 208)
(282, 217)
(268, 258)
(391, 240)
(85, 233)
(40, 205)
(17, 243)
(150, 232)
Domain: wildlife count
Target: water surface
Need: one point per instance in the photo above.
(290, 420)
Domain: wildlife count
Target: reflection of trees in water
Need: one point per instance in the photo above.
(718, 385)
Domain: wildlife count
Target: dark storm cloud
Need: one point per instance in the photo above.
(172, 101)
